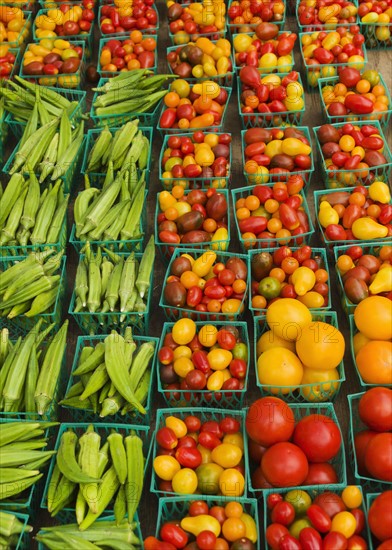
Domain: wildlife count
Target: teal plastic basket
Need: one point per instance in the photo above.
(173, 314)
(194, 183)
(21, 325)
(3, 138)
(67, 515)
(224, 399)
(125, 34)
(87, 37)
(318, 197)
(365, 385)
(314, 27)
(372, 41)
(269, 120)
(176, 508)
(24, 33)
(109, 74)
(194, 36)
(148, 119)
(270, 243)
(76, 80)
(316, 252)
(313, 491)
(166, 250)
(23, 539)
(204, 415)
(225, 80)
(71, 177)
(304, 393)
(84, 415)
(137, 531)
(327, 70)
(368, 248)
(9, 250)
(373, 542)
(301, 410)
(52, 414)
(102, 323)
(97, 178)
(277, 68)
(356, 425)
(343, 178)
(119, 245)
(216, 128)
(236, 28)
(383, 118)
(253, 179)
(17, 126)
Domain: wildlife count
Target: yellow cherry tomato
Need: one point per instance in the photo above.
(208, 335)
(219, 359)
(234, 439)
(166, 467)
(352, 496)
(182, 351)
(231, 483)
(184, 331)
(184, 482)
(344, 523)
(226, 455)
(182, 366)
(177, 425)
(215, 381)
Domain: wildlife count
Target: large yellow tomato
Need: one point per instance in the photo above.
(279, 367)
(373, 317)
(287, 317)
(320, 346)
(184, 331)
(374, 362)
(323, 385)
(270, 340)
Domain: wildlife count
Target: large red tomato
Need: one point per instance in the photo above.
(321, 473)
(318, 436)
(284, 465)
(361, 441)
(269, 420)
(380, 516)
(375, 409)
(378, 457)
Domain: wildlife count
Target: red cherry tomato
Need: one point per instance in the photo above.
(274, 534)
(283, 513)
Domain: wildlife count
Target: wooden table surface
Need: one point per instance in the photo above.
(378, 60)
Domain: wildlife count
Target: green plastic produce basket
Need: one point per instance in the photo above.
(102, 323)
(119, 245)
(173, 314)
(235, 28)
(372, 33)
(180, 41)
(3, 137)
(253, 179)
(84, 415)
(365, 385)
(176, 508)
(269, 120)
(225, 80)
(370, 498)
(343, 178)
(137, 530)
(97, 178)
(224, 399)
(313, 491)
(24, 6)
(125, 34)
(23, 540)
(327, 70)
(368, 248)
(71, 177)
(383, 118)
(204, 415)
(67, 515)
(9, 250)
(166, 250)
(356, 425)
(316, 252)
(86, 37)
(194, 183)
(304, 393)
(276, 69)
(51, 414)
(314, 27)
(109, 74)
(270, 243)
(24, 33)
(21, 325)
(217, 128)
(149, 119)
(331, 244)
(301, 410)
(17, 126)
(74, 81)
